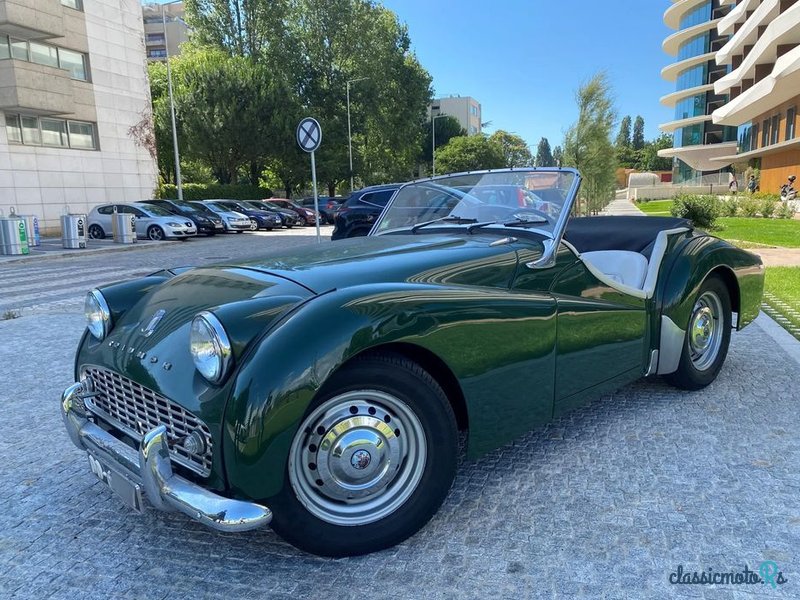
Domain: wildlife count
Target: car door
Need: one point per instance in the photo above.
(103, 216)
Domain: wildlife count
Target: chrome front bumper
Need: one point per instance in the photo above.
(149, 470)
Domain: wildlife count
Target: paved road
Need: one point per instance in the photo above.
(604, 503)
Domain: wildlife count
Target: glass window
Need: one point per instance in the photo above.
(694, 46)
(76, 4)
(689, 136)
(43, 55)
(30, 131)
(692, 77)
(81, 135)
(13, 131)
(19, 50)
(54, 132)
(693, 106)
(105, 210)
(790, 117)
(701, 14)
(5, 51)
(775, 129)
(157, 53)
(754, 137)
(155, 38)
(765, 133)
(73, 62)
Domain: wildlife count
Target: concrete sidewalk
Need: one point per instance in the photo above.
(621, 206)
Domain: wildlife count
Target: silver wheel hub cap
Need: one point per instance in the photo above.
(705, 331)
(357, 457)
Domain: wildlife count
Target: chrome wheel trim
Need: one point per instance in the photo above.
(155, 233)
(357, 457)
(253, 225)
(705, 331)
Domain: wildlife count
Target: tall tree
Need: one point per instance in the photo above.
(637, 142)
(558, 156)
(445, 128)
(649, 160)
(544, 157)
(624, 136)
(469, 153)
(515, 151)
(587, 144)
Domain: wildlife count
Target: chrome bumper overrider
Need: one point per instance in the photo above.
(150, 470)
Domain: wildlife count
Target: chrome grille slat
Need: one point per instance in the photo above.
(135, 410)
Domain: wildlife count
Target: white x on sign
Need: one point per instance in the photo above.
(309, 134)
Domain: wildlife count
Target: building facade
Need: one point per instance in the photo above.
(164, 29)
(464, 108)
(75, 102)
(697, 139)
(763, 86)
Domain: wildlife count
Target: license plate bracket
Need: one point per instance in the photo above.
(129, 492)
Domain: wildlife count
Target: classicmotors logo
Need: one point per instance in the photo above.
(768, 573)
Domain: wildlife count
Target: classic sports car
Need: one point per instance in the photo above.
(324, 390)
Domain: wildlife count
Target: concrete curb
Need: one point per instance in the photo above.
(782, 338)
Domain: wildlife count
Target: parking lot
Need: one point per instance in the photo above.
(607, 502)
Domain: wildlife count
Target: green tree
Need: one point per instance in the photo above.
(624, 136)
(558, 156)
(637, 142)
(544, 157)
(469, 153)
(649, 160)
(587, 144)
(447, 128)
(162, 125)
(515, 151)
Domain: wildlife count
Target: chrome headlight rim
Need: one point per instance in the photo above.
(104, 312)
(222, 346)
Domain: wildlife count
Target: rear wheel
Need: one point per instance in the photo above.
(371, 462)
(96, 232)
(155, 233)
(708, 335)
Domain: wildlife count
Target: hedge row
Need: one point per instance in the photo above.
(203, 191)
(703, 210)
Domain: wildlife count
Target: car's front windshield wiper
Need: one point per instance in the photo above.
(448, 219)
(526, 222)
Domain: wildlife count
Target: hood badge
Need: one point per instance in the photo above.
(148, 330)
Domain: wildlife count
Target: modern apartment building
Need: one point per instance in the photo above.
(763, 86)
(464, 108)
(163, 31)
(75, 103)
(698, 140)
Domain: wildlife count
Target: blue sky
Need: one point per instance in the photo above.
(523, 59)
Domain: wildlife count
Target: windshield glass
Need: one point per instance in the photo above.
(187, 207)
(537, 199)
(159, 212)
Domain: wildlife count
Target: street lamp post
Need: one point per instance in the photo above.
(433, 143)
(172, 104)
(349, 135)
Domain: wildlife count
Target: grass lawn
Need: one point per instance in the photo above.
(772, 232)
(657, 208)
(782, 296)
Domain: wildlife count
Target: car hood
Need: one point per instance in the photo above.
(438, 259)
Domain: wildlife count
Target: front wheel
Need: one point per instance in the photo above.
(708, 335)
(96, 232)
(155, 233)
(371, 462)
(253, 225)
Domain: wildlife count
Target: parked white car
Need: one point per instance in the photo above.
(233, 221)
(152, 222)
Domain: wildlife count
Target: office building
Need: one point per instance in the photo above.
(75, 103)
(464, 108)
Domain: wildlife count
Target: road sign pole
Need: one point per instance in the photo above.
(316, 197)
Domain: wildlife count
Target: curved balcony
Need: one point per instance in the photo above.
(748, 34)
(785, 30)
(673, 15)
(679, 123)
(672, 99)
(701, 158)
(671, 72)
(737, 15)
(672, 43)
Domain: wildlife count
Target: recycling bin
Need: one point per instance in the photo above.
(13, 236)
(32, 230)
(73, 231)
(124, 228)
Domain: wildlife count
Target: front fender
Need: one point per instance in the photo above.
(499, 346)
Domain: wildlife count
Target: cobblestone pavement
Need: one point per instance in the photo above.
(604, 503)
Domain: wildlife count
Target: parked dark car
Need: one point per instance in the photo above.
(358, 212)
(287, 217)
(204, 219)
(304, 215)
(259, 218)
(327, 207)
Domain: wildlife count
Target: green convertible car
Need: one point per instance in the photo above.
(324, 391)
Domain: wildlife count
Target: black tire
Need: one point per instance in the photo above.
(381, 375)
(155, 233)
(96, 232)
(253, 225)
(240, 231)
(697, 370)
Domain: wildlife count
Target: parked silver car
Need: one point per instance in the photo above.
(152, 222)
(233, 221)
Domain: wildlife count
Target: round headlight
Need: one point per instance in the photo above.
(98, 316)
(210, 347)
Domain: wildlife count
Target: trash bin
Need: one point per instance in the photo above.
(13, 237)
(124, 228)
(32, 230)
(73, 231)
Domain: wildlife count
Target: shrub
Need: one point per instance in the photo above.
(729, 206)
(750, 206)
(702, 211)
(765, 196)
(767, 208)
(785, 211)
(207, 191)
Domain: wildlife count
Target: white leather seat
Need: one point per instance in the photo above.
(622, 266)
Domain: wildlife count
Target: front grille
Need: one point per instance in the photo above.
(135, 410)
